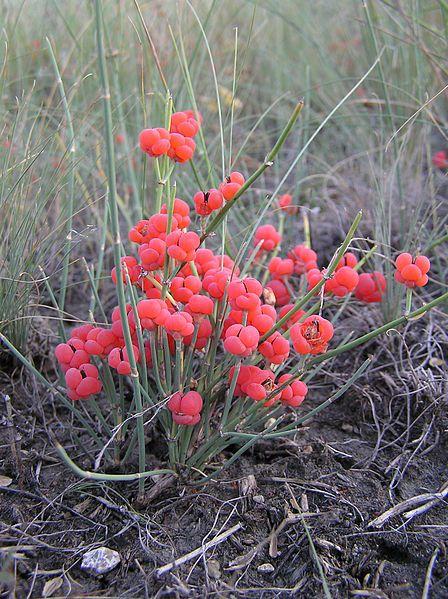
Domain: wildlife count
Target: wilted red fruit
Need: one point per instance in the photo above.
(199, 306)
(312, 335)
(182, 246)
(181, 148)
(83, 381)
(269, 236)
(254, 382)
(282, 295)
(155, 142)
(275, 349)
(182, 288)
(304, 259)
(71, 354)
(134, 270)
(293, 394)
(440, 159)
(181, 212)
(371, 287)
(119, 359)
(140, 232)
(285, 204)
(281, 267)
(186, 408)
(231, 186)
(179, 324)
(241, 340)
(245, 294)
(206, 203)
(152, 313)
(184, 123)
(412, 271)
(152, 254)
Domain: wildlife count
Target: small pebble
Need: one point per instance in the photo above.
(100, 561)
(347, 428)
(258, 498)
(214, 569)
(265, 568)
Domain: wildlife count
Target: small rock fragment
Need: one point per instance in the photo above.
(258, 498)
(100, 561)
(214, 569)
(347, 428)
(265, 568)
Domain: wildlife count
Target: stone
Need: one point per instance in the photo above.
(214, 569)
(100, 561)
(265, 568)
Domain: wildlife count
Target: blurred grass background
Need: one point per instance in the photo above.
(244, 64)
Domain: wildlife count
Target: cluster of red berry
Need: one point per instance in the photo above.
(186, 287)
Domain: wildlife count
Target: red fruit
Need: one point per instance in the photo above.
(280, 268)
(117, 324)
(181, 212)
(179, 324)
(275, 349)
(100, 342)
(412, 272)
(216, 280)
(152, 313)
(245, 294)
(82, 331)
(231, 186)
(285, 204)
(304, 259)
(71, 354)
(183, 123)
(206, 203)
(199, 306)
(293, 394)
(282, 295)
(83, 381)
(155, 142)
(241, 340)
(152, 254)
(182, 288)
(348, 259)
(314, 276)
(140, 232)
(371, 287)
(182, 246)
(186, 408)
(134, 270)
(440, 159)
(293, 319)
(269, 236)
(263, 318)
(205, 331)
(343, 281)
(254, 382)
(181, 148)
(158, 225)
(312, 335)
(119, 359)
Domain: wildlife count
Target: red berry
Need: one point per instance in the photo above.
(186, 408)
(304, 259)
(181, 212)
(269, 236)
(312, 335)
(206, 203)
(155, 142)
(231, 186)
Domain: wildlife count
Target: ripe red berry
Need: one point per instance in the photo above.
(254, 382)
(304, 259)
(71, 354)
(245, 294)
(312, 335)
(181, 148)
(140, 232)
(343, 281)
(100, 342)
(412, 272)
(186, 407)
(184, 123)
(216, 280)
(293, 319)
(119, 359)
(179, 324)
(183, 288)
(294, 393)
(152, 313)
(152, 254)
(348, 259)
(82, 331)
(440, 159)
(281, 267)
(182, 246)
(241, 340)
(231, 186)
(206, 203)
(181, 212)
(275, 349)
(134, 270)
(83, 381)
(269, 237)
(199, 306)
(371, 287)
(155, 142)
(285, 204)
